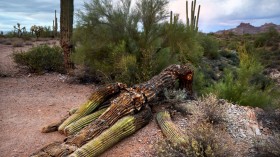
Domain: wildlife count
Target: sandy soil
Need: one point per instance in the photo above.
(28, 102)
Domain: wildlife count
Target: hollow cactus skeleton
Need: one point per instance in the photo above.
(128, 111)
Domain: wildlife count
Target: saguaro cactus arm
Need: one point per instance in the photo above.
(169, 129)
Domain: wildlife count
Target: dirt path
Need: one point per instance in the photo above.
(28, 102)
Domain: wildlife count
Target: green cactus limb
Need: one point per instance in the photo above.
(169, 129)
(196, 25)
(81, 123)
(97, 98)
(192, 22)
(121, 129)
(171, 16)
(187, 13)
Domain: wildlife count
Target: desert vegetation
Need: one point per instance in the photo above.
(227, 76)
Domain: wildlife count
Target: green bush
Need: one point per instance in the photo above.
(245, 88)
(41, 58)
(114, 47)
(210, 46)
(269, 38)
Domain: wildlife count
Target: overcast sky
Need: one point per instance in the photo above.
(215, 14)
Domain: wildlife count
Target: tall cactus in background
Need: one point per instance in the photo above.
(66, 29)
(192, 22)
(55, 25)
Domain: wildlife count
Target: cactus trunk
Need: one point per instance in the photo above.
(121, 129)
(192, 22)
(169, 129)
(55, 25)
(66, 28)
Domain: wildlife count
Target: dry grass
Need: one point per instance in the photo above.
(206, 131)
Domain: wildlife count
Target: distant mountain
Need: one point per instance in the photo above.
(247, 28)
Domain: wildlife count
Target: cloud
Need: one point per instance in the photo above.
(30, 12)
(218, 14)
(215, 14)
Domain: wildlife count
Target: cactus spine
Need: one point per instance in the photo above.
(55, 25)
(192, 22)
(66, 28)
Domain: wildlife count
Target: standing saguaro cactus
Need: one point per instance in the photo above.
(192, 22)
(66, 28)
(55, 25)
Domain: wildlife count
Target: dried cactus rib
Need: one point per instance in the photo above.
(81, 123)
(169, 129)
(95, 100)
(121, 129)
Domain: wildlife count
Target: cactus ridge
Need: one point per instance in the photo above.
(121, 129)
(81, 123)
(169, 129)
(96, 99)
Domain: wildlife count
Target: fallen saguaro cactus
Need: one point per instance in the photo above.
(126, 102)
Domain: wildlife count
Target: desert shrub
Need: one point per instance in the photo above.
(210, 46)
(269, 38)
(204, 141)
(175, 95)
(233, 45)
(242, 88)
(7, 42)
(213, 109)
(18, 43)
(28, 43)
(41, 58)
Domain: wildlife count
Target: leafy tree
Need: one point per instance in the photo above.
(112, 38)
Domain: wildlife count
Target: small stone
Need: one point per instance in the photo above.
(258, 132)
